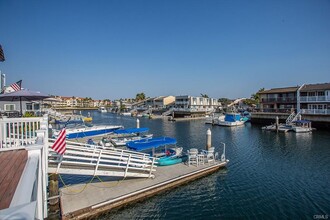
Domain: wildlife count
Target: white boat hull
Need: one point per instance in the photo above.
(301, 129)
(230, 124)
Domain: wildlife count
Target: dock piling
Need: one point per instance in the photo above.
(137, 123)
(208, 139)
(54, 204)
(276, 123)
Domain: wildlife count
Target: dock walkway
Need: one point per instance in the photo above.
(101, 197)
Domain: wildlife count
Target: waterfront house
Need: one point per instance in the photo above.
(12, 109)
(314, 99)
(191, 103)
(190, 106)
(278, 99)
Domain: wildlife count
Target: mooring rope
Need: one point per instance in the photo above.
(86, 184)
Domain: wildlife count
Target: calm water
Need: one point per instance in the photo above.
(269, 175)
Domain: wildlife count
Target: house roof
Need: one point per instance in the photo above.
(280, 90)
(160, 98)
(315, 87)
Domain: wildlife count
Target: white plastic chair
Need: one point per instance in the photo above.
(210, 157)
(192, 156)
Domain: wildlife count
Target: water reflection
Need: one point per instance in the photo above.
(270, 175)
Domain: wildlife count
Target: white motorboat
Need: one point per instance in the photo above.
(232, 119)
(123, 141)
(102, 109)
(84, 131)
(302, 126)
(126, 114)
(214, 119)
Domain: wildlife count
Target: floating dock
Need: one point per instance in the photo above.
(102, 197)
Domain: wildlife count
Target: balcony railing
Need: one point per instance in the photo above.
(281, 100)
(316, 111)
(281, 110)
(314, 98)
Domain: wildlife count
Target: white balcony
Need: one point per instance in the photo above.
(314, 98)
(316, 111)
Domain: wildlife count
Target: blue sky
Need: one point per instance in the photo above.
(116, 49)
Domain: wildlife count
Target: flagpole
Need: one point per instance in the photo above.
(20, 103)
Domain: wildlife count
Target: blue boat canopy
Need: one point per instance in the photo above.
(131, 130)
(150, 143)
(232, 117)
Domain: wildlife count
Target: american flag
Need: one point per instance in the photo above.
(17, 85)
(60, 145)
(2, 56)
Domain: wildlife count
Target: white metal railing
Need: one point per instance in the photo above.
(15, 132)
(314, 98)
(194, 109)
(86, 159)
(168, 112)
(296, 117)
(290, 118)
(316, 111)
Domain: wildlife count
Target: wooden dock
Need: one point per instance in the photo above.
(102, 197)
(12, 164)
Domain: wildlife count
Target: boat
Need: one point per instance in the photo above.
(302, 126)
(87, 131)
(123, 141)
(126, 114)
(69, 121)
(102, 109)
(168, 156)
(173, 156)
(87, 119)
(214, 119)
(122, 136)
(232, 119)
(281, 127)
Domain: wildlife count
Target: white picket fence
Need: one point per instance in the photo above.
(17, 132)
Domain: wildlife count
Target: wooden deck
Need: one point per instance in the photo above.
(101, 197)
(12, 164)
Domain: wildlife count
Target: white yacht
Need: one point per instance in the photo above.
(102, 109)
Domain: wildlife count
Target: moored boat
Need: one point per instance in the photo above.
(84, 131)
(168, 156)
(102, 109)
(232, 119)
(302, 126)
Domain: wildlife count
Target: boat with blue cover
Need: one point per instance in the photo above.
(166, 157)
(122, 136)
(232, 119)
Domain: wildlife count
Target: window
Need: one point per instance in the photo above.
(321, 93)
(29, 106)
(9, 107)
(36, 106)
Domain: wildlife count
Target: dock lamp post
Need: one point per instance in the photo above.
(223, 155)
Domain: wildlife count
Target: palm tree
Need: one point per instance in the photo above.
(256, 96)
(204, 95)
(140, 96)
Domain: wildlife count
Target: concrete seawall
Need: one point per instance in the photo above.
(266, 118)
